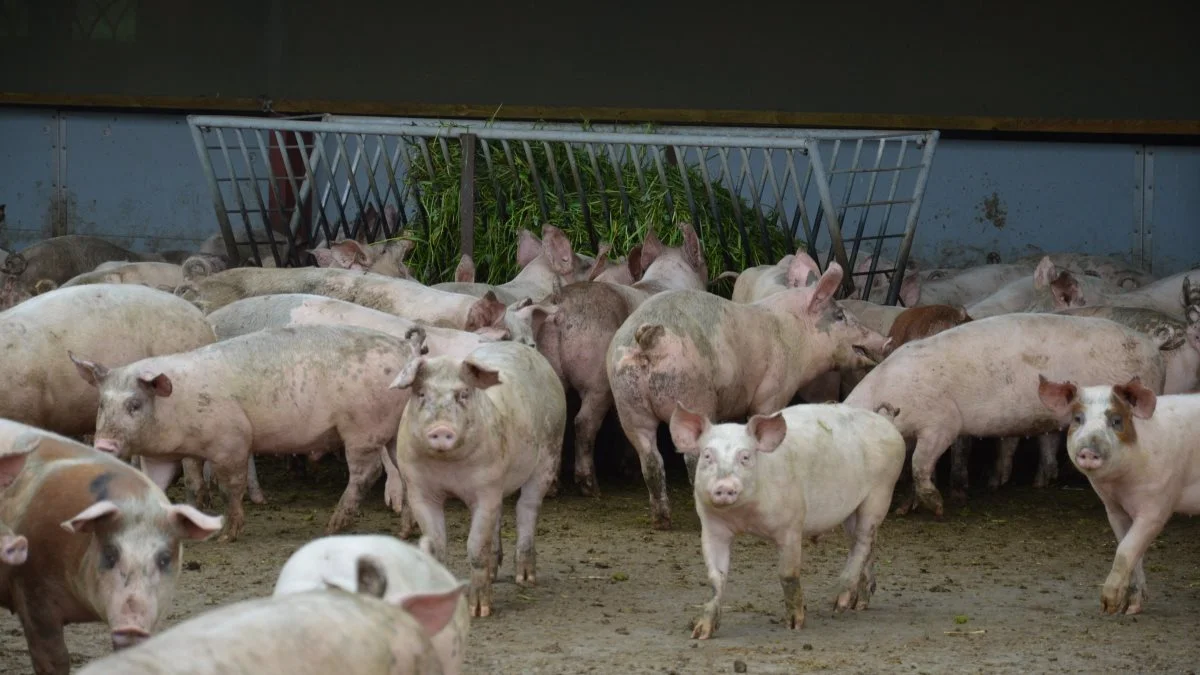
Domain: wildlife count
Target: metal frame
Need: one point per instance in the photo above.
(357, 163)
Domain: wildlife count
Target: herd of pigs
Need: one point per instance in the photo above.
(193, 363)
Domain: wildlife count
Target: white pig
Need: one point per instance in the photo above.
(794, 474)
(410, 572)
(1139, 452)
(478, 429)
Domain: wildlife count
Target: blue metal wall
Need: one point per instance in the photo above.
(135, 178)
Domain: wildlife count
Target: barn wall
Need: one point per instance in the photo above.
(134, 177)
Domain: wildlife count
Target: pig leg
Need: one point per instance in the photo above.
(1005, 450)
(1047, 471)
(642, 432)
(593, 407)
(959, 458)
(499, 545)
(253, 488)
(430, 514)
(528, 506)
(231, 472)
(393, 487)
(43, 633)
(931, 444)
(715, 541)
(858, 580)
(1125, 588)
(480, 556)
(365, 464)
(195, 486)
(789, 577)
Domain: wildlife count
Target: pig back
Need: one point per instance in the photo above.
(114, 324)
(316, 632)
(985, 373)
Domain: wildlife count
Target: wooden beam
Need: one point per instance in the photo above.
(630, 115)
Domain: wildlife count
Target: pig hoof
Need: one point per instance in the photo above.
(338, 522)
(481, 610)
(703, 628)
(797, 621)
(526, 579)
(587, 486)
(258, 498)
(661, 523)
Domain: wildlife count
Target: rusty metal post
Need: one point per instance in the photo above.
(466, 195)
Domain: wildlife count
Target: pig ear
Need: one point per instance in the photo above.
(158, 383)
(1066, 291)
(538, 315)
(465, 272)
(634, 260)
(322, 256)
(1045, 273)
(652, 247)
(415, 337)
(371, 576)
(487, 311)
(1142, 400)
(409, 374)
(192, 523)
(480, 377)
(1057, 396)
(800, 268)
(529, 247)
(601, 261)
(433, 611)
(11, 466)
(92, 517)
(349, 252)
(692, 249)
(686, 429)
(93, 373)
(910, 289)
(557, 248)
(768, 431)
(389, 216)
(14, 549)
(493, 333)
(826, 286)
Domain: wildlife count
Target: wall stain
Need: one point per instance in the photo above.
(993, 211)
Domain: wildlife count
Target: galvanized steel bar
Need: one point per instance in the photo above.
(215, 188)
(262, 207)
(535, 175)
(735, 198)
(910, 223)
(608, 219)
(862, 221)
(681, 163)
(553, 166)
(837, 249)
(585, 211)
(262, 149)
(241, 202)
(712, 202)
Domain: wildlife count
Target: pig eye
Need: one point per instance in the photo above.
(163, 560)
(744, 458)
(839, 314)
(1116, 423)
(109, 556)
(133, 405)
(463, 396)
(707, 456)
(1078, 418)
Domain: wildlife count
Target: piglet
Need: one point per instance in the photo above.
(409, 572)
(478, 429)
(1139, 452)
(786, 476)
(367, 630)
(104, 544)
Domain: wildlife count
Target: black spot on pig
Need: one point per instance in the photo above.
(99, 486)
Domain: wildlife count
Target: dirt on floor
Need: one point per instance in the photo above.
(1007, 583)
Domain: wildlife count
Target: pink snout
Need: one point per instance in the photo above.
(107, 445)
(441, 438)
(1087, 458)
(725, 491)
(124, 638)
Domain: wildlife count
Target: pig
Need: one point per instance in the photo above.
(543, 264)
(786, 476)
(959, 287)
(588, 314)
(878, 318)
(921, 322)
(215, 245)
(14, 548)
(384, 257)
(478, 429)
(316, 632)
(152, 274)
(464, 273)
(1162, 296)
(105, 544)
(408, 571)
(401, 297)
(624, 271)
(977, 380)
(297, 389)
(1047, 290)
(118, 323)
(201, 265)
(725, 359)
(1108, 268)
(793, 271)
(1181, 360)
(1139, 452)
(54, 261)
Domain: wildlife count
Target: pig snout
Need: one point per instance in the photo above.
(1087, 458)
(107, 445)
(725, 491)
(128, 637)
(441, 437)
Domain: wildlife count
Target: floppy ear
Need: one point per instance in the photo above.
(768, 431)
(158, 383)
(1045, 273)
(686, 429)
(93, 373)
(801, 269)
(1142, 400)
(826, 286)
(409, 374)
(433, 611)
(529, 247)
(193, 523)
(478, 376)
(92, 517)
(1057, 396)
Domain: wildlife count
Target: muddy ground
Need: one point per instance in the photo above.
(1007, 583)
